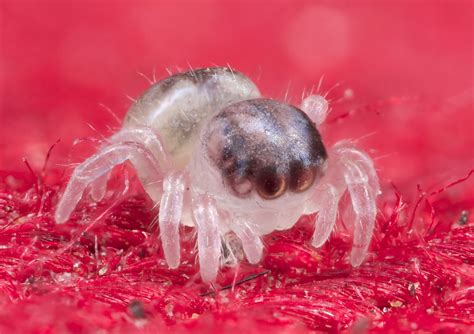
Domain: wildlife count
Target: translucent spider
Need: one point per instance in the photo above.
(217, 156)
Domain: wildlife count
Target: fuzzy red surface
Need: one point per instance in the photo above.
(405, 94)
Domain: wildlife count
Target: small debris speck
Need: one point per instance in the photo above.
(137, 309)
(412, 287)
(103, 271)
(463, 218)
(396, 303)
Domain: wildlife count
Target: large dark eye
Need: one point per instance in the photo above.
(301, 177)
(270, 184)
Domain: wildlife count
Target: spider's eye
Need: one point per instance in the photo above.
(301, 178)
(241, 186)
(237, 174)
(270, 184)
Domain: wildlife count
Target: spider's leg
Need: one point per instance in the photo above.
(208, 237)
(144, 136)
(363, 186)
(363, 161)
(101, 164)
(171, 207)
(326, 216)
(251, 243)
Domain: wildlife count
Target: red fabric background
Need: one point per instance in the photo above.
(409, 68)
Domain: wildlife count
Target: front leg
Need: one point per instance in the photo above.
(362, 183)
(364, 205)
(352, 170)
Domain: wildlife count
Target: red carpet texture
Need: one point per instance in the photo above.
(400, 81)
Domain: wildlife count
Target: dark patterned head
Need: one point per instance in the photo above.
(265, 146)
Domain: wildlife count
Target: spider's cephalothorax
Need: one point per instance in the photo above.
(215, 155)
(265, 146)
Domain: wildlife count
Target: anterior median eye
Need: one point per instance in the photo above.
(270, 184)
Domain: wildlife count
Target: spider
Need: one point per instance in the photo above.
(216, 155)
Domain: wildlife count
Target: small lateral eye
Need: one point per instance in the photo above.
(301, 178)
(270, 184)
(241, 186)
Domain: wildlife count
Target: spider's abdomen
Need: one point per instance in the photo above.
(266, 146)
(176, 107)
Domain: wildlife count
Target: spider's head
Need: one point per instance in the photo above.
(264, 148)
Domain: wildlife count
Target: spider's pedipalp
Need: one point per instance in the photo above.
(251, 243)
(208, 236)
(171, 208)
(101, 164)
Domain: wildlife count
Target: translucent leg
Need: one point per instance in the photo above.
(251, 242)
(171, 207)
(363, 162)
(208, 236)
(363, 185)
(364, 205)
(148, 138)
(141, 136)
(350, 169)
(326, 216)
(101, 164)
